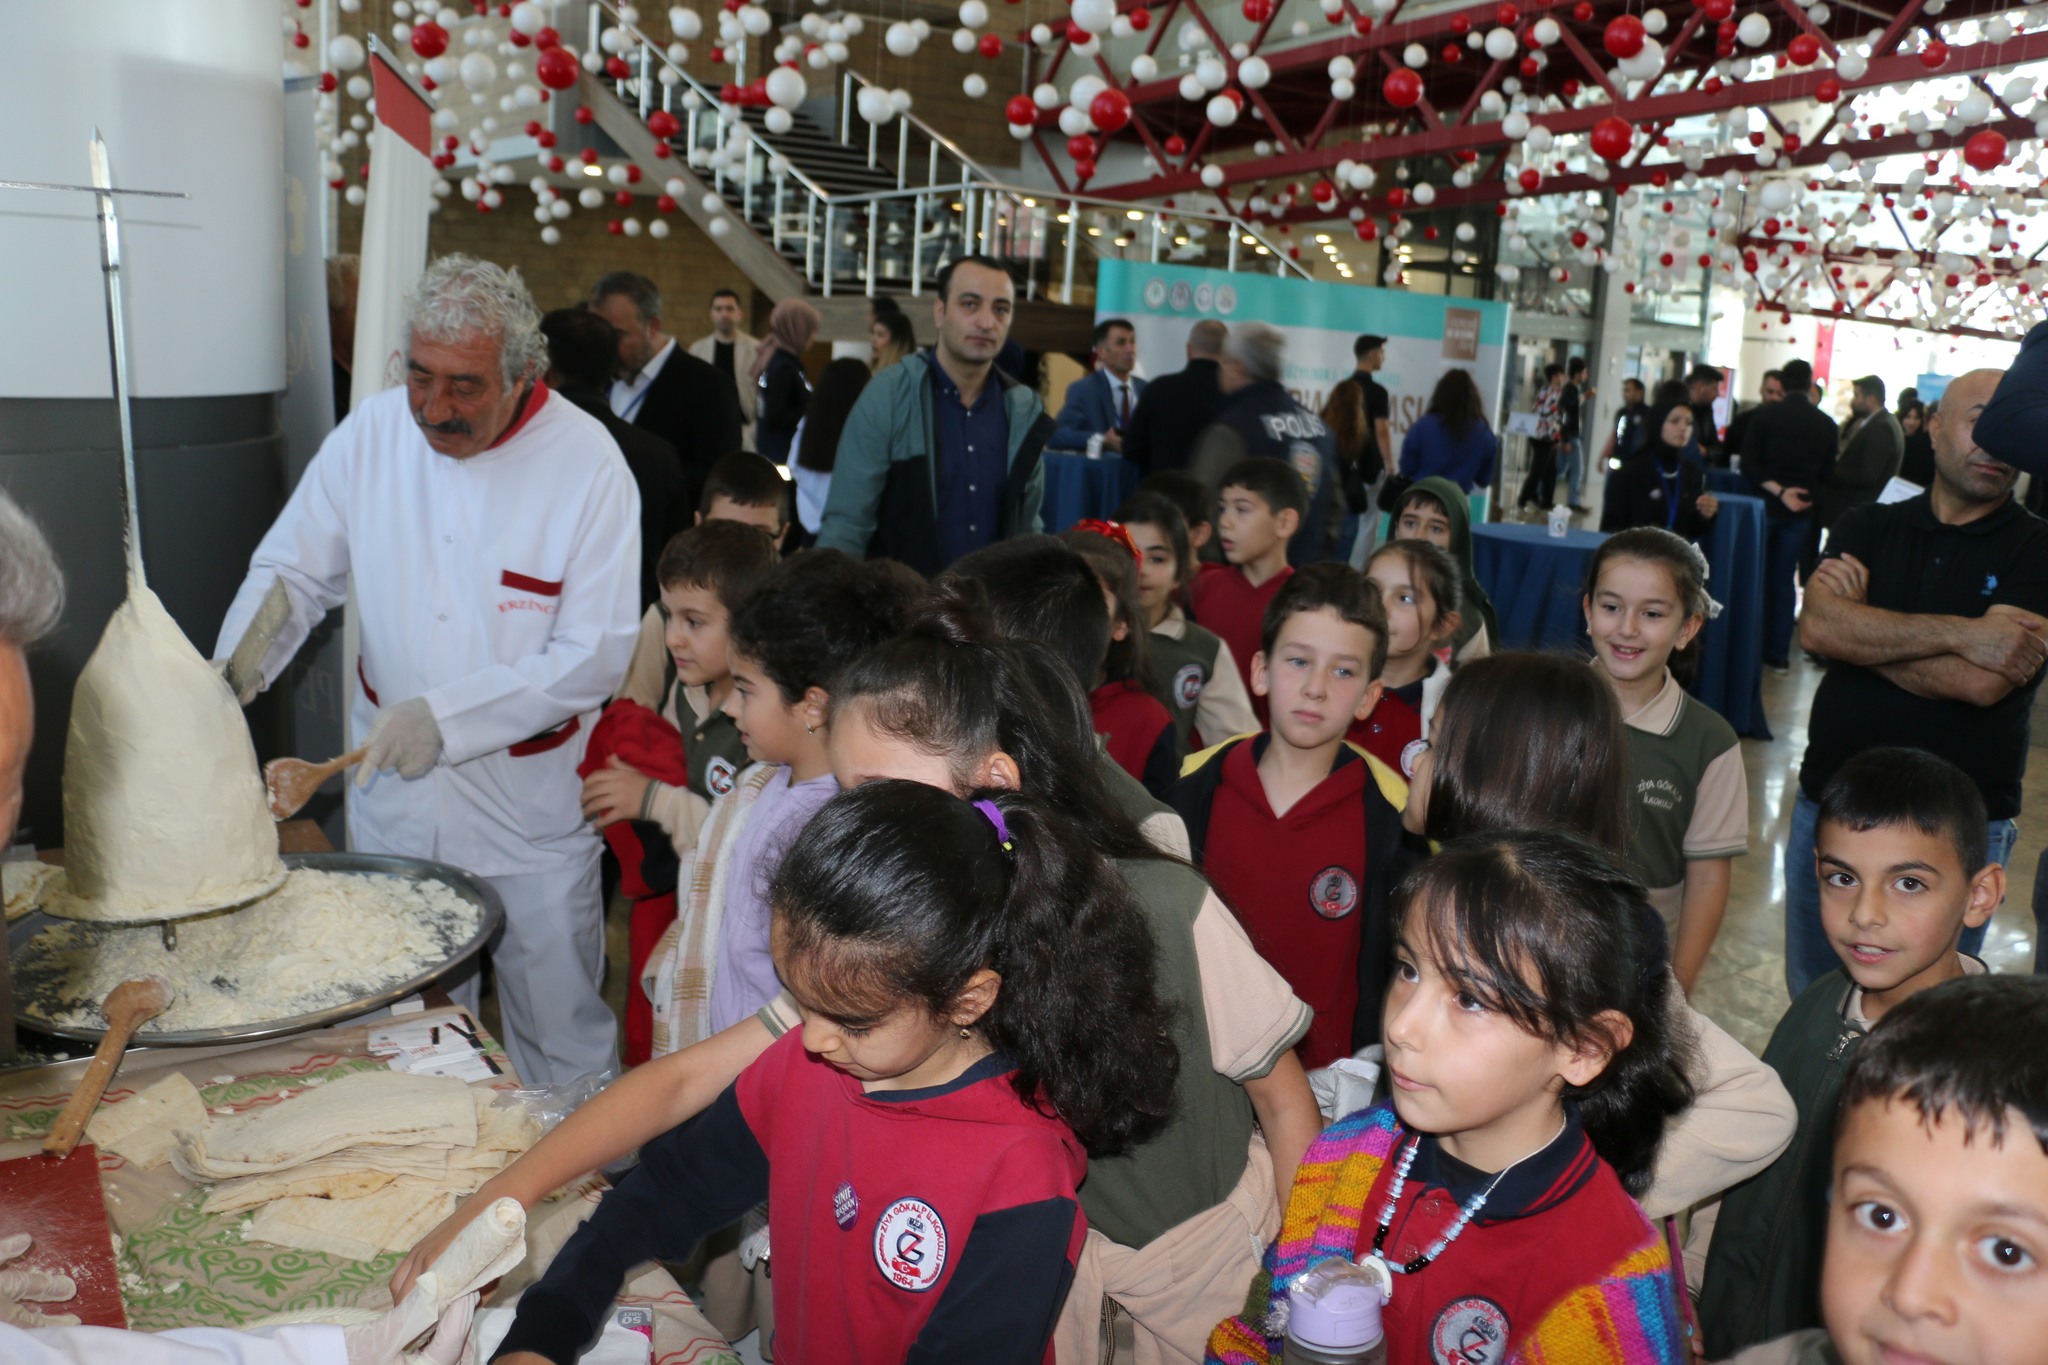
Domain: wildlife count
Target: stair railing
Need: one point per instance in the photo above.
(936, 147)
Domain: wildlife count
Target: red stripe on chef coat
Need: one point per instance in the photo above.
(539, 587)
(534, 400)
(551, 739)
(368, 690)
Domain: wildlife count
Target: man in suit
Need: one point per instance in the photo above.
(1783, 453)
(662, 388)
(1703, 386)
(582, 353)
(1872, 445)
(731, 351)
(1772, 390)
(1102, 402)
(1176, 408)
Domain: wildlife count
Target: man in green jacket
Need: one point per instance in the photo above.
(940, 456)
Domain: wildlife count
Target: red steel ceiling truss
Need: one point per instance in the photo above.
(1312, 132)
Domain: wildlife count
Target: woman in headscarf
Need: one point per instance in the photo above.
(779, 375)
(1658, 486)
(1436, 510)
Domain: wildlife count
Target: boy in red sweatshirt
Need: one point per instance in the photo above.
(1299, 831)
(1263, 503)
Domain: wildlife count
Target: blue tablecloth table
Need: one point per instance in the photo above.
(1534, 579)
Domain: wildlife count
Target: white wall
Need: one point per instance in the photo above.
(189, 95)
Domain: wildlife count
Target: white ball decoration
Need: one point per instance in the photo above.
(1500, 44)
(1655, 21)
(1546, 30)
(1074, 122)
(899, 100)
(1754, 30)
(785, 87)
(974, 85)
(973, 13)
(658, 228)
(1515, 126)
(755, 20)
(345, 53)
(1020, 131)
(964, 40)
(922, 28)
(1211, 72)
(1222, 111)
(1253, 73)
(1191, 87)
(719, 226)
(901, 39)
(711, 204)
(442, 70)
(618, 175)
(527, 18)
(1081, 94)
(1974, 107)
(478, 70)
(1093, 16)
(778, 121)
(355, 196)
(818, 59)
(1041, 34)
(1212, 176)
(873, 105)
(631, 227)
(359, 87)
(551, 235)
(1539, 138)
(1415, 55)
(1046, 95)
(853, 24)
(1645, 65)
(1144, 67)
(685, 23)
(1423, 194)
(1341, 90)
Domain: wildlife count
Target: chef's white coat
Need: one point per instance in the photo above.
(503, 588)
(297, 1345)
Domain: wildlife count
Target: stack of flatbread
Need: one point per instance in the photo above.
(360, 1166)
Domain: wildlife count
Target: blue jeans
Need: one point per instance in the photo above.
(1571, 464)
(1784, 542)
(1808, 954)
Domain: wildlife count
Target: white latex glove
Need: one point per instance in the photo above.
(383, 1342)
(405, 737)
(21, 1290)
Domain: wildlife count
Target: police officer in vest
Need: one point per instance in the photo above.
(1261, 419)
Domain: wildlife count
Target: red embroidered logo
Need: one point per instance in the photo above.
(1471, 1331)
(1334, 893)
(910, 1245)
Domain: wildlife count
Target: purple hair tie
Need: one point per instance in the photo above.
(995, 817)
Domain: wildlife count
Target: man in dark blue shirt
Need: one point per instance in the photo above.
(940, 455)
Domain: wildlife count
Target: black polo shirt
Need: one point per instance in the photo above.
(1921, 565)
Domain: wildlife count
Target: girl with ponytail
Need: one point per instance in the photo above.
(978, 1010)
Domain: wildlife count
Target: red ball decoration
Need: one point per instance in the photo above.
(547, 39)
(616, 228)
(632, 174)
(586, 115)
(1081, 147)
(1985, 150)
(1612, 137)
(1257, 11)
(1176, 145)
(1583, 12)
(665, 204)
(1530, 178)
(1324, 192)
(328, 82)
(1368, 230)
(1461, 24)
(1021, 111)
(617, 68)
(1531, 68)
(519, 39)
(663, 124)
(1402, 87)
(624, 199)
(1077, 35)
(1084, 170)
(1570, 88)
(1362, 24)
(1141, 18)
(301, 40)
(1110, 110)
(990, 46)
(1935, 55)
(1625, 36)
(1718, 10)
(556, 68)
(1804, 50)
(588, 156)
(555, 164)
(1828, 91)
(1397, 198)
(1507, 16)
(429, 39)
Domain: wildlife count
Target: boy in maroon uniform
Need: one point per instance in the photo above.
(1263, 504)
(1299, 831)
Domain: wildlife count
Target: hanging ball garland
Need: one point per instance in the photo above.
(1402, 87)
(1612, 137)
(1624, 37)
(556, 68)
(1985, 151)
(1110, 110)
(428, 38)
(1804, 50)
(1021, 111)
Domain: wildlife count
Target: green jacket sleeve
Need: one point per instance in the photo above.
(1033, 507)
(859, 472)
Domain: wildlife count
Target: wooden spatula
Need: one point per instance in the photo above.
(128, 1006)
(291, 782)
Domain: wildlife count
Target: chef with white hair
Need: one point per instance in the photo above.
(491, 530)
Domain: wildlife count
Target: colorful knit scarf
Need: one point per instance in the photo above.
(1628, 1317)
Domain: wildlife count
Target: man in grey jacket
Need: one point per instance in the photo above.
(940, 456)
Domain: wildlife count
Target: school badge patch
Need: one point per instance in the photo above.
(1334, 893)
(718, 775)
(1187, 686)
(1472, 1331)
(910, 1245)
(1411, 754)
(845, 1206)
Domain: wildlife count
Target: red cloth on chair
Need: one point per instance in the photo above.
(644, 741)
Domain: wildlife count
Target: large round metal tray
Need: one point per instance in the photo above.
(473, 889)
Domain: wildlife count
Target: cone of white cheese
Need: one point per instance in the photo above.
(165, 812)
